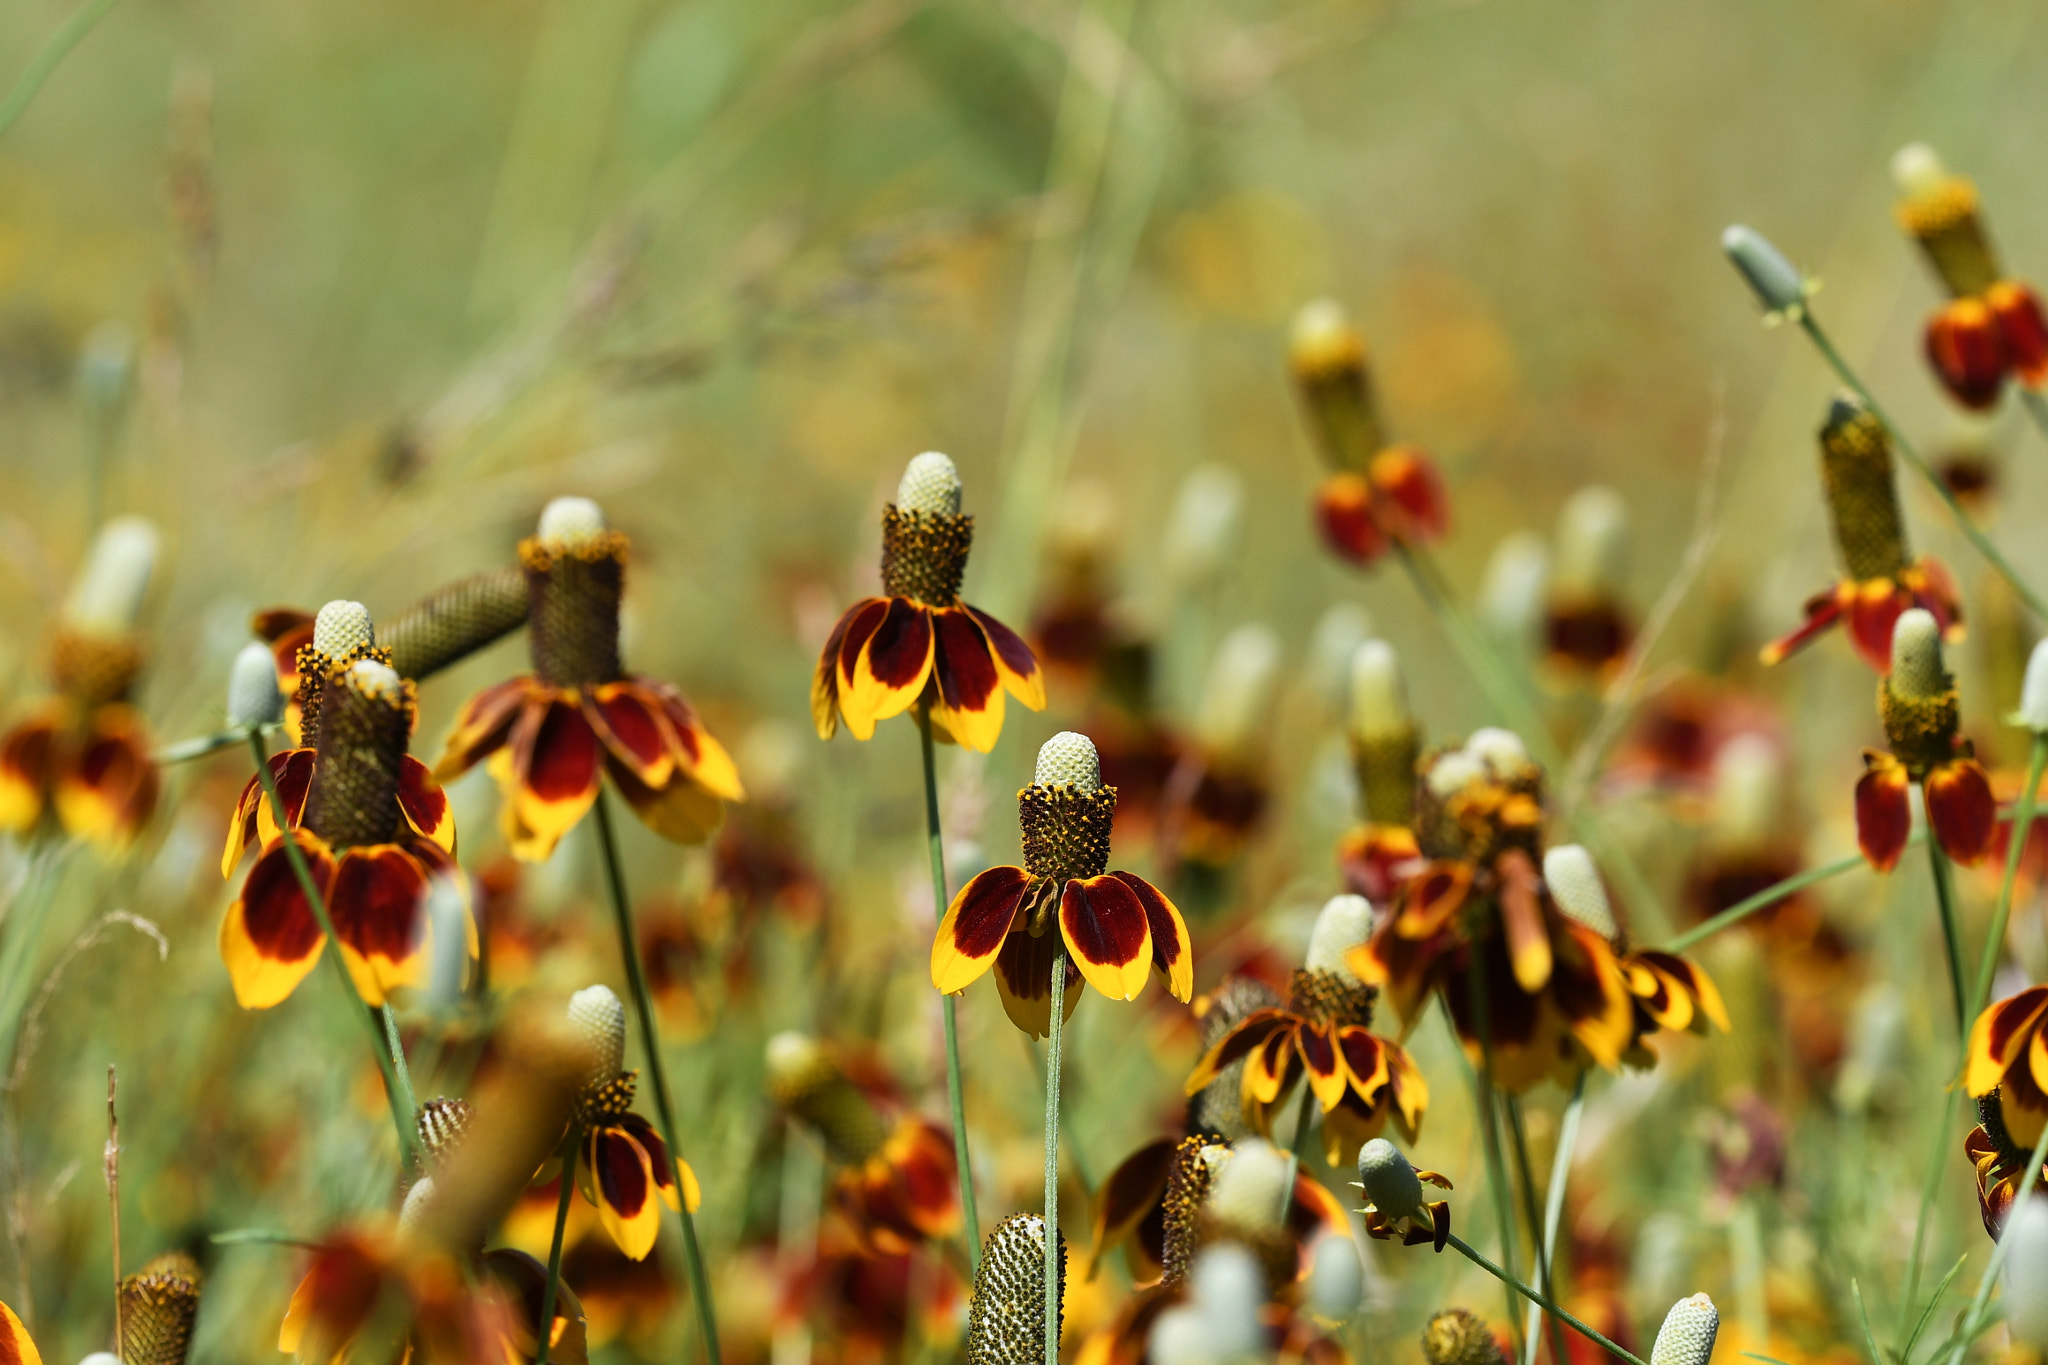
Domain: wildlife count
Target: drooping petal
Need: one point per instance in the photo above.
(1365, 1059)
(1410, 482)
(1874, 609)
(681, 812)
(631, 729)
(255, 823)
(1023, 974)
(26, 756)
(1015, 663)
(976, 923)
(658, 1165)
(1823, 611)
(1999, 1035)
(270, 938)
(1967, 352)
(15, 1346)
(618, 1178)
(106, 789)
(1130, 1193)
(2021, 327)
(1884, 813)
(1345, 516)
(1269, 1072)
(1690, 979)
(483, 724)
(699, 755)
(1318, 1048)
(424, 804)
(1411, 1090)
(555, 771)
(1432, 898)
(1521, 913)
(1173, 956)
(1108, 935)
(825, 677)
(376, 901)
(892, 668)
(970, 700)
(1249, 1033)
(1657, 995)
(1961, 809)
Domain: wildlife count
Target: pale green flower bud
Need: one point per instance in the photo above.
(1592, 543)
(1778, 284)
(1687, 1336)
(107, 598)
(1250, 1189)
(930, 483)
(1202, 529)
(1345, 922)
(1517, 581)
(1917, 169)
(253, 696)
(1576, 887)
(1239, 690)
(1390, 1182)
(599, 1018)
(1379, 700)
(1069, 759)
(1917, 669)
(342, 626)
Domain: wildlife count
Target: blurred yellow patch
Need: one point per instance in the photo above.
(1445, 362)
(1254, 256)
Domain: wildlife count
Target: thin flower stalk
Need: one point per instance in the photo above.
(1553, 1205)
(1303, 1118)
(2016, 845)
(1483, 1106)
(1052, 1157)
(1951, 935)
(1770, 896)
(568, 1190)
(1966, 1329)
(1513, 1106)
(956, 1098)
(1538, 1297)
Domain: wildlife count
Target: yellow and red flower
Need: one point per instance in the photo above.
(2001, 1164)
(16, 1348)
(920, 644)
(82, 759)
(1671, 994)
(1116, 927)
(624, 1168)
(552, 736)
(2008, 1057)
(1917, 700)
(1881, 580)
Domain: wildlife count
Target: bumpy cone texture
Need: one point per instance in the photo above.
(1456, 1336)
(415, 1206)
(366, 719)
(570, 523)
(1006, 1317)
(1917, 699)
(107, 598)
(341, 628)
(930, 483)
(1239, 690)
(441, 1123)
(158, 1306)
(575, 579)
(1385, 766)
(1219, 1106)
(1065, 834)
(1249, 1189)
(1328, 357)
(1863, 502)
(1180, 1208)
(1069, 759)
(1939, 210)
(1687, 1336)
(253, 695)
(599, 1019)
(1776, 281)
(2033, 712)
(455, 621)
(1917, 669)
(1390, 1182)
(809, 1084)
(1576, 887)
(1343, 923)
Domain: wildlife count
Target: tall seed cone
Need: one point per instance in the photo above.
(158, 1306)
(1187, 1185)
(455, 621)
(1939, 210)
(366, 719)
(1006, 1317)
(575, 578)
(441, 1124)
(1863, 503)
(1457, 1337)
(1327, 355)
(808, 1083)
(1687, 1336)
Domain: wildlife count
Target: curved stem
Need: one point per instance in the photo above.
(54, 51)
(650, 1043)
(1302, 1118)
(545, 1327)
(400, 1100)
(1770, 896)
(1535, 1296)
(400, 1071)
(1052, 1157)
(2015, 849)
(935, 846)
(1553, 1204)
(1482, 1097)
(1513, 1107)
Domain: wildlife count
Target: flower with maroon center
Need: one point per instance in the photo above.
(1116, 927)
(1380, 853)
(80, 762)
(371, 866)
(2001, 1164)
(1917, 700)
(1478, 908)
(551, 736)
(1586, 625)
(1376, 495)
(897, 1184)
(1359, 1080)
(624, 1165)
(1992, 327)
(919, 645)
(1394, 1203)
(2008, 1058)
(1880, 581)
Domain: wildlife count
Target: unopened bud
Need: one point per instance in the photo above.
(341, 627)
(1916, 655)
(253, 696)
(1391, 1184)
(107, 598)
(600, 1020)
(1576, 887)
(1592, 543)
(1687, 1336)
(1336, 1278)
(1069, 759)
(1250, 1190)
(1778, 284)
(1323, 339)
(2026, 1272)
(1239, 690)
(1339, 631)
(2033, 712)
(1917, 169)
(1202, 530)
(1379, 701)
(1501, 751)
(377, 680)
(930, 483)
(570, 523)
(1006, 1316)
(1345, 922)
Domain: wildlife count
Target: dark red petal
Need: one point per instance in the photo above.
(1008, 645)
(901, 644)
(622, 1180)
(2021, 327)
(559, 762)
(1106, 930)
(1170, 946)
(1967, 352)
(1410, 481)
(1344, 514)
(966, 672)
(860, 621)
(1823, 610)
(1884, 816)
(1961, 809)
(375, 901)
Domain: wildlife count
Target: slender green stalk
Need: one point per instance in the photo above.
(2036, 406)
(399, 1069)
(935, 846)
(1553, 1204)
(1302, 1119)
(1937, 1164)
(650, 1043)
(400, 1100)
(1968, 1328)
(2016, 847)
(44, 62)
(1951, 934)
(1502, 690)
(545, 1327)
(1536, 1296)
(1052, 1157)
(1770, 896)
(185, 750)
(1513, 1107)
(1482, 1101)
(1992, 556)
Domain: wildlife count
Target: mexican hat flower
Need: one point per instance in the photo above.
(2001, 1164)
(2008, 1057)
(1586, 625)
(896, 1184)
(624, 1165)
(1880, 580)
(1385, 745)
(1219, 789)
(1917, 701)
(372, 865)
(918, 644)
(80, 762)
(1992, 326)
(15, 1344)
(1115, 926)
(1377, 495)
(1359, 1079)
(1477, 913)
(552, 736)
(1394, 1204)
(159, 1304)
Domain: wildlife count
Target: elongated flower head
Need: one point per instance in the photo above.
(342, 628)
(2026, 1272)
(2033, 712)
(1251, 1189)
(453, 622)
(1687, 1336)
(1239, 690)
(1201, 531)
(1778, 284)
(931, 483)
(441, 1123)
(253, 696)
(1576, 887)
(599, 1018)
(1457, 1336)
(575, 571)
(107, 598)
(1939, 210)
(1863, 502)
(1069, 759)
(1390, 1182)
(1592, 543)
(1343, 923)
(366, 713)
(1385, 742)
(570, 523)
(1516, 583)
(1066, 813)
(808, 1082)
(1336, 1278)
(159, 1304)
(1917, 669)
(1379, 698)
(1327, 355)
(1745, 809)
(1006, 1316)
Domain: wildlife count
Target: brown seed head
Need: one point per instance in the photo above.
(366, 719)
(574, 586)
(1863, 503)
(1065, 832)
(158, 1306)
(924, 554)
(1457, 1337)
(1006, 1316)
(453, 622)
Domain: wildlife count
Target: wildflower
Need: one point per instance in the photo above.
(1221, 1319)
(1881, 582)
(1117, 927)
(1687, 1336)
(1992, 326)
(158, 1306)
(1377, 495)
(552, 735)
(1456, 1336)
(625, 1164)
(1478, 909)
(1359, 1079)
(897, 1186)
(1917, 700)
(1586, 627)
(368, 857)
(1006, 1317)
(1222, 773)
(81, 760)
(15, 1344)
(919, 644)
(2009, 1055)
(2000, 1163)
(1393, 1195)
(1218, 1107)
(1385, 745)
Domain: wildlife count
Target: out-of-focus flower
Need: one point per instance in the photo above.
(2009, 1055)
(554, 734)
(919, 644)
(1586, 626)
(625, 1165)
(1394, 1205)
(1880, 580)
(1220, 1319)
(1116, 927)
(1687, 1336)
(1992, 326)
(1218, 1107)
(1006, 1317)
(1917, 701)
(2000, 1163)
(1377, 494)
(1219, 791)
(2026, 1274)
(1336, 1279)
(1385, 745)
(1457, 1336)
(158, 1306)
(81, 760)
(1747, 1145)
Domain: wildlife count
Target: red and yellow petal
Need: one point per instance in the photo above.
(334, 1299)
(377, 901)
(1269, 1071)
(1107, 935)
(976, 924)
(1823, 613)
(682, 812)
(1346, 518)
(970, 690)
(1411, 1090)
(423, 803)
(15, 1346)
(1961, 809)
(1884, 812)
(106, 789)
(1023, 973)
(1365, 1060)
(697, 753)
(1409, 481)
(1015, 664)
(485, 724)
(825, 677)
(1521, 913)
(642, 1132)
(552, 762)
(270, 938)
(253, 822)
(1173, 954)
(1685, 979)
(27, 757)
(2021, 327)
(618, 1177)
(1249, 1033)
(1999, 1035)
(1874, 609)
(1964, 345)
(890, 672)
(632, 731)
(1131, 1192)
(1326, 1076)
(1432, 898)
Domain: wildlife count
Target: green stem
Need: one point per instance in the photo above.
(1983, 1296)
(2036, 406)
(1496, 1167)
(650, 1043)
(1513, 1107)
(1535, 1296)
(1770, 896)
(545, 1327)
(400, 1071)
(1052, 1157)
(44, 62)
(400, 1100)
(1937, 1164)
(1553, 1204)
(2016, 847)
(1500, 686)
(1302, 1119)
(1951, 935)
(935, 846)
(1912, 457)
